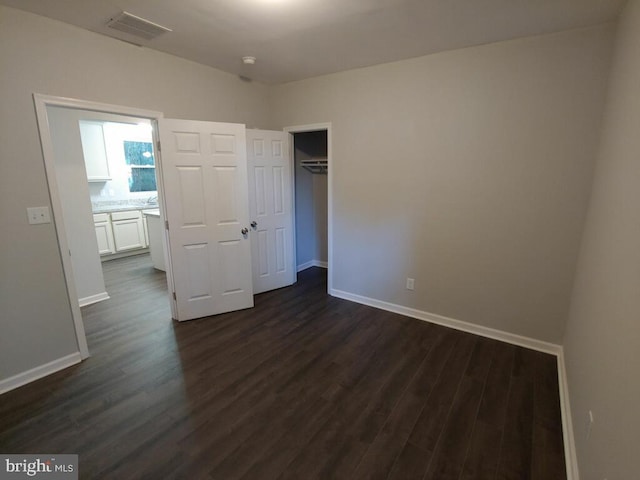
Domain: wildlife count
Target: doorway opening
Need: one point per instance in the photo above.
(76, 152)
(311, 154)
(105, 164)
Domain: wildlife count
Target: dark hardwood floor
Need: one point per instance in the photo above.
(302, 386)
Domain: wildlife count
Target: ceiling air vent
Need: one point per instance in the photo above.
(136, 26)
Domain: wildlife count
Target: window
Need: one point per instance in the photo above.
(139, 157)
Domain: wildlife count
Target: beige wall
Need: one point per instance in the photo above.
(467, 170)
(48, 57)
(602, 340)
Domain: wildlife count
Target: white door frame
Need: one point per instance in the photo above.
(41, 102)
(313, 128)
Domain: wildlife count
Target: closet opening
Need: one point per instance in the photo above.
(310, 153)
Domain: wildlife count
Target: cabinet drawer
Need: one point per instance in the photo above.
(100, 217)
(127, 215)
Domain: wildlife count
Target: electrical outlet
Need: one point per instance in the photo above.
(589, 424)
(37, 215)
(410, 283)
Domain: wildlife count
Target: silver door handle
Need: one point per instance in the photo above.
(244, 231)
(254, 224)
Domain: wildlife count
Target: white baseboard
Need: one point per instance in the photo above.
(99, 297)
(570, 456)
(304, 266)
(39, 372)
(521, 341)
(488, 332)
(312, 263)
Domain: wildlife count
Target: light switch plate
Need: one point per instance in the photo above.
(38, 215)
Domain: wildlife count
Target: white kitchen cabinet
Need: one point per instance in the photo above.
(128, 230)
(104, 233)
(94, 151)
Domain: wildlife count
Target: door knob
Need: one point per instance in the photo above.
(254, 224)
(244, 231)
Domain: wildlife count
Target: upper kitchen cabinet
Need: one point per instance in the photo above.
(93, 148)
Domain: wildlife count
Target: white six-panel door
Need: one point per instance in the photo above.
(204, 174)
(271, 209)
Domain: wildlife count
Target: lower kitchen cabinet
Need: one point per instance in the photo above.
(128, 230)
(104, 233)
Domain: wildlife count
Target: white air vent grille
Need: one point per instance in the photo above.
(136, 26)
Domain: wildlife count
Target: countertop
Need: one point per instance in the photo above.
(124, 207)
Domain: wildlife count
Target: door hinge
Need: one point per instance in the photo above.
(174, 296)
(159, 148)
(166, 224)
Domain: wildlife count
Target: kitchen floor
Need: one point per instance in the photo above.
(304, 385)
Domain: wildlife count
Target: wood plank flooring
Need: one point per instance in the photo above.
(302, 386)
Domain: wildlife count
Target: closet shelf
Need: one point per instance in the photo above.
(315, 165)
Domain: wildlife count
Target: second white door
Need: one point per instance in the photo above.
(270, 209)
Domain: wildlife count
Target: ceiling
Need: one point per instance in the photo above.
(297, 39)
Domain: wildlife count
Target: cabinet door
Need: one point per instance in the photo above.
(95, 154)
(128, 234)
(104, 235)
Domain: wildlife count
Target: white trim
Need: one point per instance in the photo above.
(571, 461)
(97, 106)
(39, 372)
(58, 220)
(168, 261)
(313, 127)
(570, 457)
(304, 266)
(311, 263)
(292, 167)
(41, 102)
(310, 127)
(91, 299)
